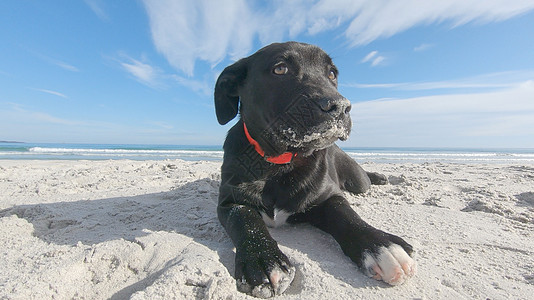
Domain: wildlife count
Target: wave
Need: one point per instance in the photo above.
(162, 152)
(82, 151)
(40, 152)
(445, 157)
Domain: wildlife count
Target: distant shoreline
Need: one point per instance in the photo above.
(11, 142)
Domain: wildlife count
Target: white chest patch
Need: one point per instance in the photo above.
(280, 217)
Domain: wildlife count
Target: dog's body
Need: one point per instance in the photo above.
(281, 164)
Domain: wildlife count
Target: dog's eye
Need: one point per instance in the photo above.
(280, 69)
(332, 75)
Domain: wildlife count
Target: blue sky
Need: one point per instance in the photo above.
(456, 73)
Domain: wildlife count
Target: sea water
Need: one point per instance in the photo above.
(108, 151)
(215, 153)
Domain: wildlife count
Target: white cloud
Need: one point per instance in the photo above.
(162, 125)
(460, 120)
(374, 58)
(423, 47)
(30, 125)
(24, 116)
(373, 85)
(378, 61)
(383, 18)
(96, 7)
(369, 56)
(143, 72)
(40, 126)
(198, 86)
(156, 78)
(51, 92)
(55, 61)
(498, 80)
(186, 31)
(66, 66)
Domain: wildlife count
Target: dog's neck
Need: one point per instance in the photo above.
(281, 159)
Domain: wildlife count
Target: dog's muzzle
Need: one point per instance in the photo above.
(316, 124)
(335, 107)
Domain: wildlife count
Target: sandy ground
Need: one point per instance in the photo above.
(148, 230)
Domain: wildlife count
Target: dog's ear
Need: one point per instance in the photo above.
(227, 91)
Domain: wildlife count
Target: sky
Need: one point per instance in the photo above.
(450, 73)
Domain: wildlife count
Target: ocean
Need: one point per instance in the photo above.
(29, 151)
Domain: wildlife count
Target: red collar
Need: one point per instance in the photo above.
(281, 159)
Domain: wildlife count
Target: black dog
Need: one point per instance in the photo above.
(281, 164)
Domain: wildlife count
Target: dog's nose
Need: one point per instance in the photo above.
(335, 106)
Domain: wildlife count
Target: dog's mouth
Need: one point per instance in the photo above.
(304, 127)
(315, 138)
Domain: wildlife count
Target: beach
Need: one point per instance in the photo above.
(148, 229)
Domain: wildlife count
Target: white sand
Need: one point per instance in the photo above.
(148, 230)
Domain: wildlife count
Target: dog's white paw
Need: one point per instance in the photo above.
(391, 264)
(278, 281)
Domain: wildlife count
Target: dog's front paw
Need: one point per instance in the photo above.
(387, 257)
(263, 274)
(391, 264)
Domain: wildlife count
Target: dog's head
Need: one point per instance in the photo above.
(287, 97)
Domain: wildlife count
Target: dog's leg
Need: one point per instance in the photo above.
(261, 269)
(380, 255)
(377, 178)
(352, 176)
